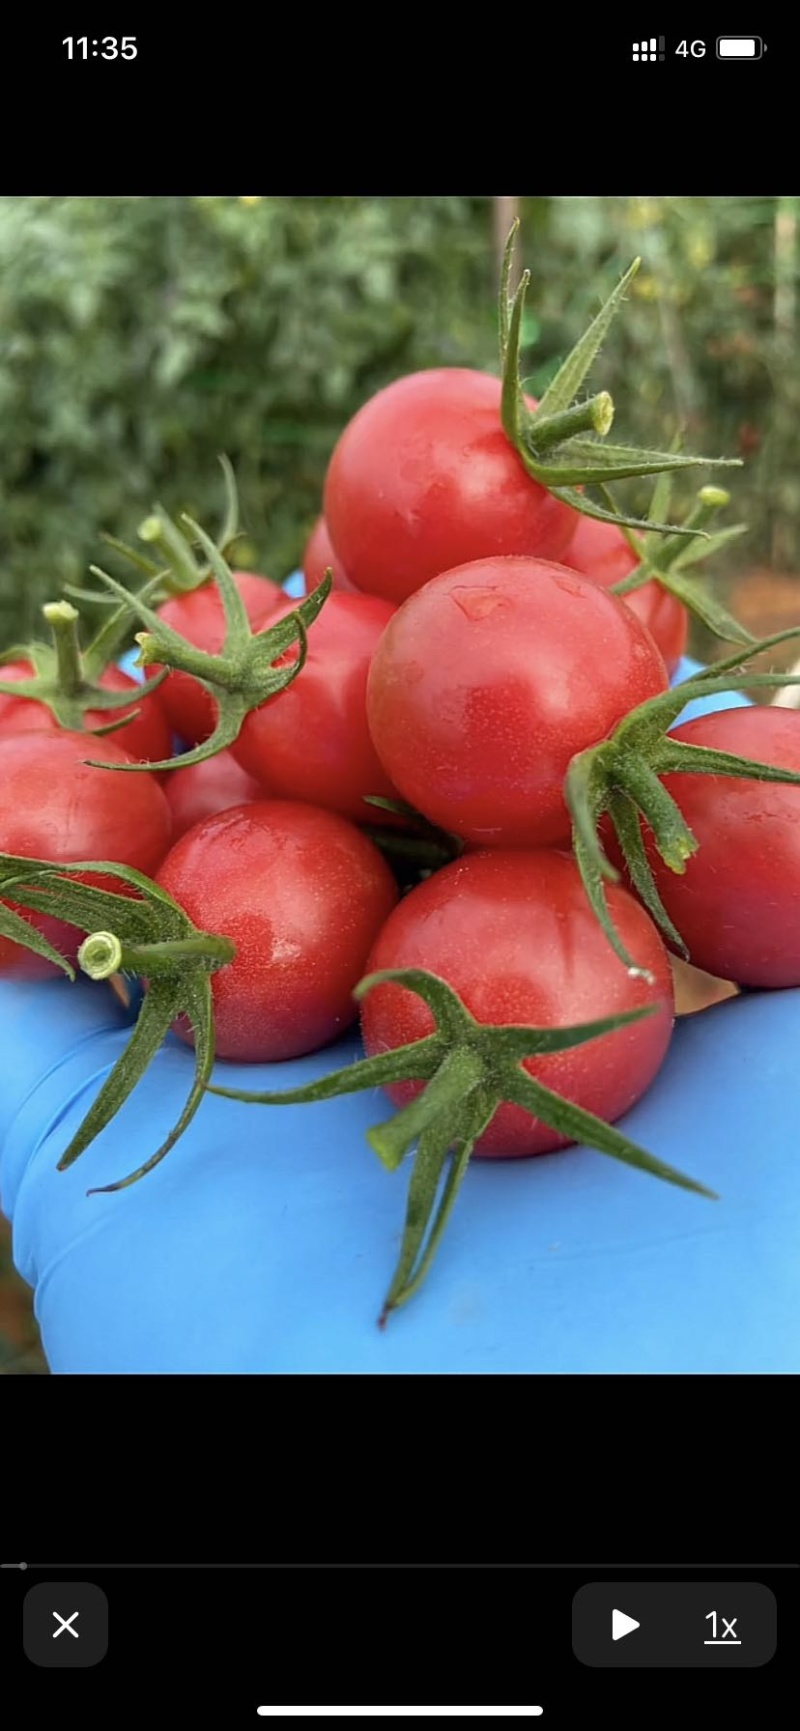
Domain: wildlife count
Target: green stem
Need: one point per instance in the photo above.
(596, 415)
(62, 618)
(157, 531)
(102, 954)
(188, 660)
(710, 500)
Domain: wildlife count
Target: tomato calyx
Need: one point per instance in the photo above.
(183, 572)
(243, 675)
(180, 571)
(146, 934)
(470, 1068)
(664, 561)
(65, 679)
(620, 778)
(552, 440)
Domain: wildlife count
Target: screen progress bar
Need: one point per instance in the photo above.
(427, 1566)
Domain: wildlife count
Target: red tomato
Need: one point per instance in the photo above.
(737, 905)
(514, 935)
(424, 478)
(318, 556)
(147, 739)
(56, 807)
(205, 788)
(311, 741)
(489, 680)
(198, 616)
(601, 552)
(302, 894)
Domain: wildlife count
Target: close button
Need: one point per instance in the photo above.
(713, 1624)
(65, 1623)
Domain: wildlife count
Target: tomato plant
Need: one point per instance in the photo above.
(601, 552)
(513, 934)
(199, 618)
(489, 680)
(56, 807)
(311, 741)
(302, 895)
(423, 478)
(146, 738)
(319, 556)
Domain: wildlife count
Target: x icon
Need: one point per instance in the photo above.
(65, 1623)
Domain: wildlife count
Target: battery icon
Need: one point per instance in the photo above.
(739, 47)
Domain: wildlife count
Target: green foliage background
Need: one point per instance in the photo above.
(139, 337)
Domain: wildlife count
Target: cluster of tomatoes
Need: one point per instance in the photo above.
(402, 804)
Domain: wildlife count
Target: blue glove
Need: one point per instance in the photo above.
(266, 1239)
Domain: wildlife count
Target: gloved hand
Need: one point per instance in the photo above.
(266, 1239)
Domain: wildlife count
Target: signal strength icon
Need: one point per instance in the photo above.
(654, 49)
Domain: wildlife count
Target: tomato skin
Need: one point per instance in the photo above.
(488, 681)
(319, 555)
(514, 935)
(10, 707)
(423, 478)
(56, 807)
(302, 894)
(311, 742)
(737, 905)
(147, 739)
(601, 552)
(205, 788)
(198, 616)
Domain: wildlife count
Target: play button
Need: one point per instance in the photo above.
(674, 1627)
(622, 1625)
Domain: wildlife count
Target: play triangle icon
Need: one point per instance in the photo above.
(622, 1625)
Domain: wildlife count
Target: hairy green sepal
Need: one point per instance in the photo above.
(65, 678)
(620, 777)
(179, 570)
(468, 1069)
(664, 560)
(559, 443)
(243, 675)
(146, 934)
